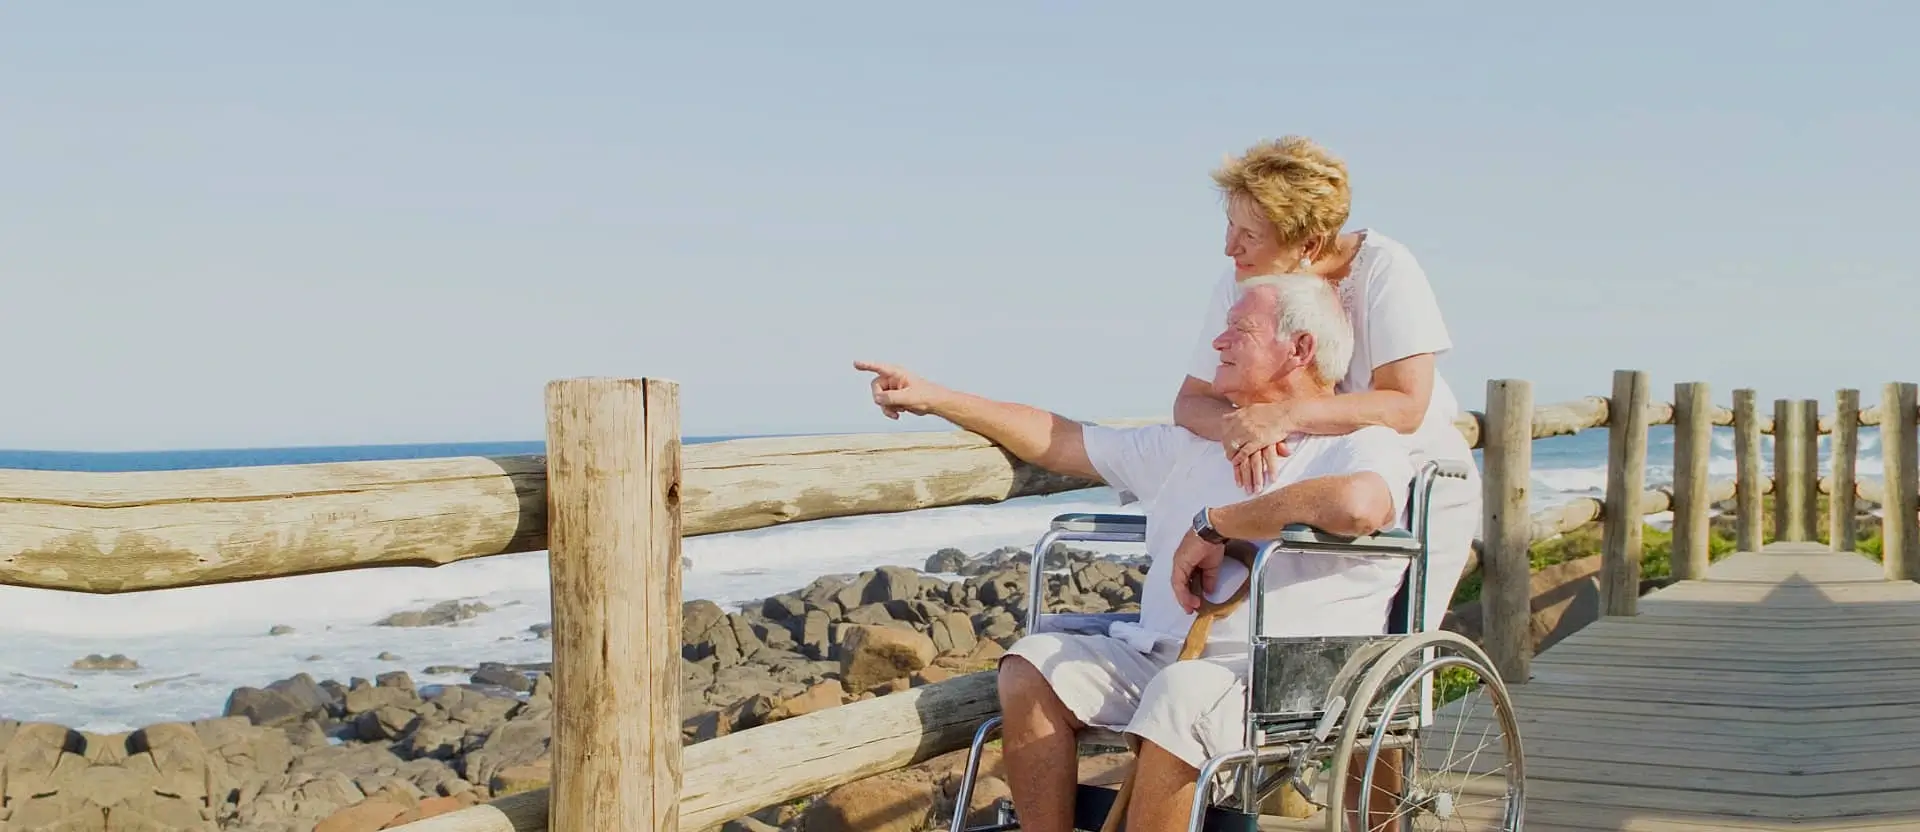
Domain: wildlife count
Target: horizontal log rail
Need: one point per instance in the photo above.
(135, 531)
(118, 532)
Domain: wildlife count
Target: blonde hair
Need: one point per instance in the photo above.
(1300, 187)
(1308, 303)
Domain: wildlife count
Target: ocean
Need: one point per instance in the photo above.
(195, 645)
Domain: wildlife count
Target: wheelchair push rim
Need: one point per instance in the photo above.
(1466, 769)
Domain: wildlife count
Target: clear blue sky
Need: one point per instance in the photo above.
(237, 224)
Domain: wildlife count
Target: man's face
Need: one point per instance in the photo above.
(1251, 361)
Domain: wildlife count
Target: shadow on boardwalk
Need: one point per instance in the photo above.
(1783, 692)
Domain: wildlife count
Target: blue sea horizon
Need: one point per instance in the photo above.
(185, 459)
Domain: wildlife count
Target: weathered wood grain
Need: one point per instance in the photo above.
(134, 531)
(1747, 471)
(1844, 488)
(1621, 529)
(1900, 461)
(1506, 481)
(615, 521)
(1692, 449)
(116, 532)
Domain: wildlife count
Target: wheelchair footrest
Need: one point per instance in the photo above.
(1091, 803)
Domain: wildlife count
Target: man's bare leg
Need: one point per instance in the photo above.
(1037, 743)
(1163, 789)
(1387, 785)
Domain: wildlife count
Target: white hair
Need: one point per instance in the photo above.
(1309, 304)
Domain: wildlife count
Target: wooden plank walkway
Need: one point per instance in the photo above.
(1782, 692)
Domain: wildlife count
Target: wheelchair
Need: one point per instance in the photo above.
(1315, 704)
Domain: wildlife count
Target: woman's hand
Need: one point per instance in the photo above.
(1255, 440)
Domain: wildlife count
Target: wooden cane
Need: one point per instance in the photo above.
(1191, 648)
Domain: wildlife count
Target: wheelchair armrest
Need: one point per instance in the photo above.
(1394, 541)
(1102, 524)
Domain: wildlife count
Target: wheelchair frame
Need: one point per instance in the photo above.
(1299, 690)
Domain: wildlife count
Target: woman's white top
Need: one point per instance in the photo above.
(1394, 315)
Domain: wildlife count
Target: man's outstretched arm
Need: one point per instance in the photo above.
(1035, 436)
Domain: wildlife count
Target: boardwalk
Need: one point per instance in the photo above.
(1782, 692)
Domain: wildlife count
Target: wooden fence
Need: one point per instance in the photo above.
(616, 493)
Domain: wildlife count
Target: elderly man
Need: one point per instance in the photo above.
(1287, 338)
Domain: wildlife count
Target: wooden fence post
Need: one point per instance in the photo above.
(1789, 465)
(1621, 529)
(613, 532)
(1899, 539)
(1810, 467)
(1692, 447)
(1746, 466)
(1845, 443)
(1506, 563)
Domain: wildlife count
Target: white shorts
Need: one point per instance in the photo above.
(1194, 709)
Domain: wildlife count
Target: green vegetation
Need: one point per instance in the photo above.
(1656, 546)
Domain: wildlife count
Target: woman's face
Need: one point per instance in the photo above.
(1252, 243)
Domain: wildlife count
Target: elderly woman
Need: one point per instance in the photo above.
(1287, 201)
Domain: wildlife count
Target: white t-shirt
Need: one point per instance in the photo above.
(1175, 473)
(1394, 315)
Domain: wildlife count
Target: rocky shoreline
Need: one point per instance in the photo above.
(366, 754)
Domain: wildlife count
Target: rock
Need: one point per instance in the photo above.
(542, 631)
(815, 640)
(440, 741)
(387, 657)
(894, 802)
(783, 607)
(872, 655)
(930, 674)
(306, 734)
(1005, 588)
(517, 742)
(498, 674)
(696, 618)
(266, 708)
(364, 697)
(521, 778)
(952, 633)
(395, 679)
(998, 626)
(279, 630)
(737, 683)
(385, 723)
(443, 613)
(820, 697)
(893, 583)
(855, 592)
(871, 614)
(822, 595)
(946, 561)
(96, 661)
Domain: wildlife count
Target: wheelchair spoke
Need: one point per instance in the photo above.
(1459, 781)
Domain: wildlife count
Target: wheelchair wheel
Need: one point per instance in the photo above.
(1447, 743)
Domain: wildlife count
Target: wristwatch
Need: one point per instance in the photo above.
(1203, 526)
